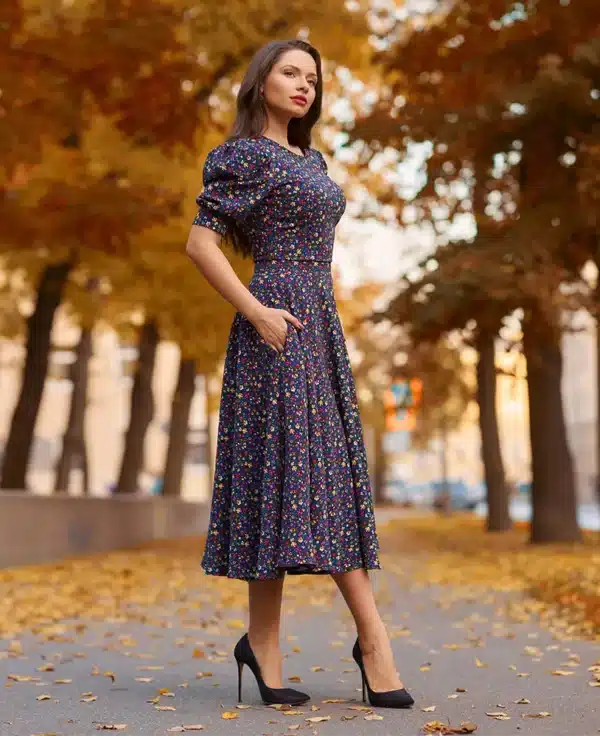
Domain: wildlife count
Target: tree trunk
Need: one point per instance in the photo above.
(553, 496)
(598, 391)
(444, 499)
(74, 449)
(39, 329)
(178, 432)
(498, 519)
(379, 475)
(142, 410)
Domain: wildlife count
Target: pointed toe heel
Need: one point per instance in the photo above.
(244, 655)
(389, 699)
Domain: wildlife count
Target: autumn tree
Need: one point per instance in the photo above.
(483, 82)
(62, 195)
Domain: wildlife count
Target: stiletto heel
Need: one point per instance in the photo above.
(389, 699)
(240, 666)
(244, 655)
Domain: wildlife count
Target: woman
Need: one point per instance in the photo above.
(291, 490)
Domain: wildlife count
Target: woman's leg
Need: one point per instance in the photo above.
(264, 599)
(374, 641)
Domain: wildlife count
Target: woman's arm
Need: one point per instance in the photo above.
(203, 248)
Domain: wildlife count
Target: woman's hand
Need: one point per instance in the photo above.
(271, 325)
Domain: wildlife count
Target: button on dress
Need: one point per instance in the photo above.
(291, 489)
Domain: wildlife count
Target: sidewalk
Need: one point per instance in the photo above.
(158, 666)
(463, 659)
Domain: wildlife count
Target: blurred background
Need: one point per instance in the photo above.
(466, 136)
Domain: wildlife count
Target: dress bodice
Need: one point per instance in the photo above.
(285, 203)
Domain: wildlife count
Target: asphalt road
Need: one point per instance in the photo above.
(464, 657)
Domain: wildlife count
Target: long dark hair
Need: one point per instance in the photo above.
(251, 116)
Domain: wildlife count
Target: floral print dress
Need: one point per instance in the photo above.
(291, 488)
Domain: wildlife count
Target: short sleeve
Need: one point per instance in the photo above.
(236, 179)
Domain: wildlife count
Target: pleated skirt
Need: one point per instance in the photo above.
(291, 491)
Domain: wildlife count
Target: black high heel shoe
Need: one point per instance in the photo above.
(244, 655)
(389, 699)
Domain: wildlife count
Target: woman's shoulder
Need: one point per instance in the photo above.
(239, 152)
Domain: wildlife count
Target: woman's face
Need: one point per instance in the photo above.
(290, 86)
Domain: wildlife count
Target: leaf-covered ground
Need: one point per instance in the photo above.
(141, 641)
(561, 582)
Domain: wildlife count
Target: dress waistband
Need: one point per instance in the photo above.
(292, 260)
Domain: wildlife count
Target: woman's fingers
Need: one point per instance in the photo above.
(290, 318)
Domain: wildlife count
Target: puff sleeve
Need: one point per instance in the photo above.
(236, 179)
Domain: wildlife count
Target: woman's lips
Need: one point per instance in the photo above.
(300, 100)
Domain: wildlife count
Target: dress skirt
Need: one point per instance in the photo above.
(291, 489)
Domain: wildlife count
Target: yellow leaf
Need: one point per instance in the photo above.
(228, 715)
(541, 714)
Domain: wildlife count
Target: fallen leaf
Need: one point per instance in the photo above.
(563, 673)
(437, 727)
(240, 706)
(522, 701)
(198, 654)
(228, 715)
(235, 623)
(373, 717)
(144, 679)
(44, 697)
(111, 675)
(89, 699)
(164, 707)
(63, 682)
(541, 714)
(499, 715)
(295, 678)
(362, 708)
(111, 726)
(428, 709)
(318, 719)
(335, 700)
(316, 668)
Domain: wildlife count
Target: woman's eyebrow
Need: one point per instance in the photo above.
(297, 68)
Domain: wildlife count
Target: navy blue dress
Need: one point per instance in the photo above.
(291, 488)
